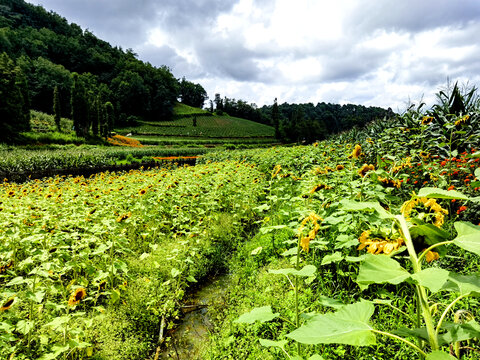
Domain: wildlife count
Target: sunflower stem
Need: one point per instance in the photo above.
(421, 292)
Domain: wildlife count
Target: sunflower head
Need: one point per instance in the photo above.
(365, 169)
(431, 256)
(7, 305)
(77, 296)
(430, 210)
(379, 243)
(305, 240)
(427, 120)
(356, 152)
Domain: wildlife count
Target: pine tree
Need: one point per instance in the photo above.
(275, 119)
(57, 107)
(109, 118)
(79, 107)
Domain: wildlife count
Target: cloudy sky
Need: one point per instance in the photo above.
(370, 52)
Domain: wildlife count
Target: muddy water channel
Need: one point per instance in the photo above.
(190, 336)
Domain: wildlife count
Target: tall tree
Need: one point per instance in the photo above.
(57, 107)
(109, 118)
(218, 104)
(79, 106)
(276, 119)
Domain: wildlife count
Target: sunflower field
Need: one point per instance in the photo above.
(74, 249)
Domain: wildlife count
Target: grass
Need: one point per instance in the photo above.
(181, 110)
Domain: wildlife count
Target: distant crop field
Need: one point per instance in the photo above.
(207, 126)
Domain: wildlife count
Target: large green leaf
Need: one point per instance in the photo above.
(459, 332)
(335, 257)
(262, 314)
(430, 232)
(307, 271)
(270, 343)
(432, 278)
(350, 205)
(436, 193)
(326, 301)
(439, 355)
(379, 269)
(468, 236)
(315, 357)
(349, 325)
(463, 284)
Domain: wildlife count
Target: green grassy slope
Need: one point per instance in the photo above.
(207, 126)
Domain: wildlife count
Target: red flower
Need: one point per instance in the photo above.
(462, 208)
(451, 187)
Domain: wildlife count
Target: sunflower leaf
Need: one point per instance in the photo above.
(435, 193)
(468, 236)
(439, 355)
(349, 325)
(380, 269)
(262, 314)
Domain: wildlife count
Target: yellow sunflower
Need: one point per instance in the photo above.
(7, 305)
(77, 296)
(428, 204)
(379, 244)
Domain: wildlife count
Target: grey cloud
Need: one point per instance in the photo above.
(411, 15)
(126, 22)
(121, 22)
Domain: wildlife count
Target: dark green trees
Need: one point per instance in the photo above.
(14, 106)
(192, 94)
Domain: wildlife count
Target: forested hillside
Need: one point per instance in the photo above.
(42, 49)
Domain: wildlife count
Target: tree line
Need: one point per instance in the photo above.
(301, 122)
